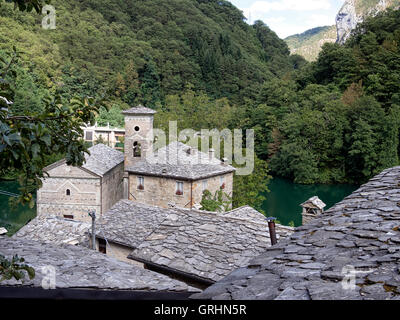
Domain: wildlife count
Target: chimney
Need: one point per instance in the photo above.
(272, 231)
(211, 153)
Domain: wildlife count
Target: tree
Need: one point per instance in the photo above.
(249, 190)
(218, 202)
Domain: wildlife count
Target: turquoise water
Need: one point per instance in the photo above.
(13, 218)
(283, 202)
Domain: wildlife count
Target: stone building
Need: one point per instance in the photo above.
(173, 176)
(70, 192)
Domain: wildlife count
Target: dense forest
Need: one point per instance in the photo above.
(199, 62)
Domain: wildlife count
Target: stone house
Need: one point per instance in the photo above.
(70, 192)
(196, 247)
(173, 176)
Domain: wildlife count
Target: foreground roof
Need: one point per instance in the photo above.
(361, 233)
(56, 230)
(197, 243)
(178, 160)
(102, 159)
(81, 268)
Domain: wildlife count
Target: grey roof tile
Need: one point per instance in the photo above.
(102, 159)
(178, 160)
(79, 267)
(199, 243)
(56, 230)
(362, 231)
(139, 110)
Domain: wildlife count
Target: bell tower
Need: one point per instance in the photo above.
(138, 134)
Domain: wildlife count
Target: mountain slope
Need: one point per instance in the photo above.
(309, 43)
(354, 12)
(144, 50)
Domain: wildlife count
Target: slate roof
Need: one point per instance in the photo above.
(56, 230)
(129, 223)
(314, 202)
(362, 231)
(176, 161)
(139, 110)
(102, 159)
(197, 243)
(81, 268)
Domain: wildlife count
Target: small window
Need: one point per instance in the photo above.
(137, 150)
(222, 182)
(89, 136)
(102, 246)
(205, 185)
(179, 188)
(68, 192)
(140, 183)
(137, 129)
(68, 216)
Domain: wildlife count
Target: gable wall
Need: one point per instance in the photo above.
(84, 187)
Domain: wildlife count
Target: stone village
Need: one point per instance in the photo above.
(152, 241)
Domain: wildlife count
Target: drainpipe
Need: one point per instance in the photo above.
(272, 231)
(92, 214)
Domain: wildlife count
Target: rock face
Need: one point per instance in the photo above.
(354, 11)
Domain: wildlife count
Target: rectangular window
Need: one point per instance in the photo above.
(89, 136)
(67, 216)
(179, 188)
(140, 183)
(102, 246)
(205, 185)
(222, 182)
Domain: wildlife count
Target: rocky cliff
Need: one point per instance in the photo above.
(354, 12)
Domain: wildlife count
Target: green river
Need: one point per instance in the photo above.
(284, 199)
(282, 202)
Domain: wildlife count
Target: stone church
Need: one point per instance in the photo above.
(173, 176)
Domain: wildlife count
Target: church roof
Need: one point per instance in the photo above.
(180, 161)
(102, 159)
(139, 110)
(81, 268)
(56, 230)
(359, 235)
(198, 243)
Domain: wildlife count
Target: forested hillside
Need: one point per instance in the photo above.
(142, 51)
(340, 118)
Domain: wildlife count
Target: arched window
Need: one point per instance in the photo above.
(137, 149)
(68, 192)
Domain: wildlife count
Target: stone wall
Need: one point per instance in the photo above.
(84, 193)
(161, 192)
(120, 253)
(213, 185)
(112, 187)
(144, 136)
